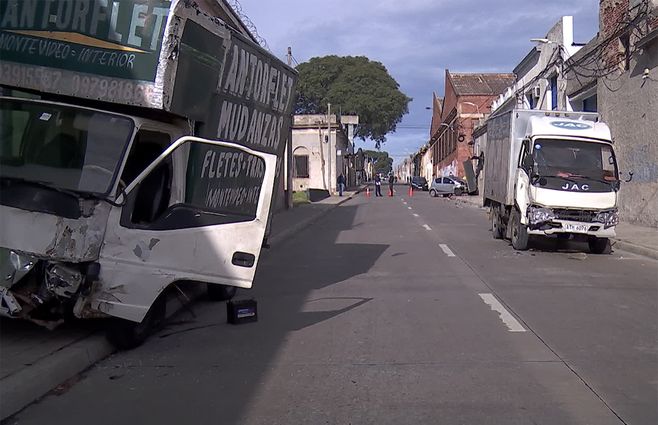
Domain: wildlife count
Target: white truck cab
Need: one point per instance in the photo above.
(120, 180)
(551, 173)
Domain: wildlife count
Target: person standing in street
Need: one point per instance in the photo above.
(341, 184)
(391, 180)
(378, 185)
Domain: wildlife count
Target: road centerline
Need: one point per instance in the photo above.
(447, 250)
(427, 227)
(512, 324)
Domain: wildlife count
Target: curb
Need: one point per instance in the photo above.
(282, 236)
(617, 243)
(30, 384)
(635, 249)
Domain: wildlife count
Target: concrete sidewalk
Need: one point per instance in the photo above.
(34, 361)
(633, 238)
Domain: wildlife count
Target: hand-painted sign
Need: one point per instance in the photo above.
(120, 39)
(225, 180)
(243, 94)
(257, 97)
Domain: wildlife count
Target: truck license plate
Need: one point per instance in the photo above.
(576, 228)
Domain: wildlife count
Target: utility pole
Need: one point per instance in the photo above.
(329, 143)
(289, 164)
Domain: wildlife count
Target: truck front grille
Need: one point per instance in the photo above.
(584, 216)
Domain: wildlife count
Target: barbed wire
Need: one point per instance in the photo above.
(237, 8)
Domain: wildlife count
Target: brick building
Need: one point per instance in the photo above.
(467, 99)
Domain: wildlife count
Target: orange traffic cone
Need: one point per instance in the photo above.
(411, 191)
(367, 192)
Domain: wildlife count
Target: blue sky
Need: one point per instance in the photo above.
(417, 40)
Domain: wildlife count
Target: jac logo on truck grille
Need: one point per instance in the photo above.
(570, 125)
(574, 186)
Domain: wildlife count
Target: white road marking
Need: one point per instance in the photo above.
(408, 208)
(512, 324)
(427, 227)
(447, 250)
(416, 215)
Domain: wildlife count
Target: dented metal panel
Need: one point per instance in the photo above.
(50, 237)
(138, 264)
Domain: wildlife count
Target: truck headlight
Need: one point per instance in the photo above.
(537, 215)
(62, 280)
(608, 218)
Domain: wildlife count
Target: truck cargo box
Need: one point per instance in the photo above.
(146, 54)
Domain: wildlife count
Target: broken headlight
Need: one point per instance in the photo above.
(62, 280)
(608, 218)
(537, 215)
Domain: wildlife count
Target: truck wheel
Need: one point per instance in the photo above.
(599, 245)
(496, 224)
(433, 193)
(221, 292)
(126, 334)
(519, 232)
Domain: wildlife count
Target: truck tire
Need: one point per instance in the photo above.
(433, 193)
(599, 245)
(126, 334)
(496, 224)
(221, 292)
(519, 232)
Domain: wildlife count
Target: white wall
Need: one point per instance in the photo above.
(560, 37)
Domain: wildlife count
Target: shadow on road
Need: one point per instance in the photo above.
(203, 370)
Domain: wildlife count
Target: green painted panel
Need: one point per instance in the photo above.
(120, 39)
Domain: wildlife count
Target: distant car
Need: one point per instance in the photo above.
(446, 186)
(419, 183)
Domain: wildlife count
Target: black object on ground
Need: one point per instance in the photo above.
(242, 311)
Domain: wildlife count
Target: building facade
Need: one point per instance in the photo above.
(540, 80)
(616, 74)
(323, 149)
(468, 98)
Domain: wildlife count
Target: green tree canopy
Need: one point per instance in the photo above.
(353, 85)
(382, 162)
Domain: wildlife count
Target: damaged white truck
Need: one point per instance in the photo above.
(551, 173)
(139, 148)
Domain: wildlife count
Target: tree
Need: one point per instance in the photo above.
(355, 85)
(382, 162)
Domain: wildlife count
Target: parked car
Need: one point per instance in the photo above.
(419, 183)
(446, 186)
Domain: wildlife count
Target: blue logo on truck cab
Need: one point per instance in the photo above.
(570, 125)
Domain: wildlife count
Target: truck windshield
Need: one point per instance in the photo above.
(64, 147)
(572, 158)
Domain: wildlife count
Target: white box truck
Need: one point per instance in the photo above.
(139, 145)
(551, 173)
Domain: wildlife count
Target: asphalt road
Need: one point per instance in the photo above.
(393, 311)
